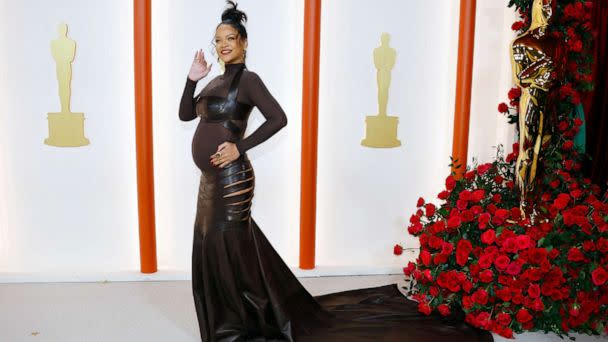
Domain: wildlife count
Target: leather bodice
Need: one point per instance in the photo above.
(227, 111)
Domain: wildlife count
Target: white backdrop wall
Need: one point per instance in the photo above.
(365, 196)
(67, 211)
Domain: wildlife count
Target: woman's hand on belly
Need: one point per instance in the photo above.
(226, 154)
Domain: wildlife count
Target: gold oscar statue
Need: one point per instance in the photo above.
(537, 68)
(381, 129)
(66, 129)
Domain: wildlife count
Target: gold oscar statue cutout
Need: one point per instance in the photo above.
(66, 129)
(381, 129)
(536, 66)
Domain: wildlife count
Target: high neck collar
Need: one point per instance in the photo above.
(232, 67)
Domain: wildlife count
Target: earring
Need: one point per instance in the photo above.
(244, 54)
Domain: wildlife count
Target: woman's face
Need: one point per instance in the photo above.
(229, 44)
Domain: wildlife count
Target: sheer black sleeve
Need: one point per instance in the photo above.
(258, 95)
(187, 111)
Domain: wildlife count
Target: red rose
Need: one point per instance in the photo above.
(425, 257)
(500, 216)
(515, 213)
(454, 222)
(477, 209)
(483, 168)
(486, 276)
(499, 179)
(447, 248)
(435, 242)
(575, 255)
(467, 216)
(576, 193)
(496, 198)
(477, 195)
(483, 220)
(485, 261)
(534, 274)
(491, 208)
(467, 286)
(502, 262)
(414, 229)
(443, 195)
(518, 25)
(574, 311)
(483, 320)
(467, 302)
(450, 183)
(488, 237)
(427, 275)
(599, 276)
(506, 332)
(523, 242)
(504, 294)
(430, 209)
(503, 319)
(409, 269)
(513, 269)
(424, 308)
(523, 316)
(602, 245)
(537, 255)
(514, 93)
(589, 246)
(480, 297)
(568, 145)
(538, 305)
(503, 108)
(397, 250)
(534, 291)
(509, 245)
(561, 201)
(443, 309)
(439, 259)
(464, 195)
(462, 205)
(420, 202)
(463, 249)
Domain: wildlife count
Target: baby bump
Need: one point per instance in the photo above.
(207, 138)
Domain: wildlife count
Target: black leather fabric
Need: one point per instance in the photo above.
(227, 111)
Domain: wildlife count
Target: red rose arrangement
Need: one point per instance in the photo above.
(505, 273)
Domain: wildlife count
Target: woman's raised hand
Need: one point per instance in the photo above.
(199, 68)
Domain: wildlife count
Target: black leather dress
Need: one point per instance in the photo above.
(243, 291)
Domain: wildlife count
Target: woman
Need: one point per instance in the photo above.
(242, 289)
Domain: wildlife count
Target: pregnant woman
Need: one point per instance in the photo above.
(243, 291)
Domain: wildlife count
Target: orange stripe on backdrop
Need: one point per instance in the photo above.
(143, 135)
(310, 108)
(466, 43)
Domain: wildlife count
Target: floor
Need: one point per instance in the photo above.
(136, 311)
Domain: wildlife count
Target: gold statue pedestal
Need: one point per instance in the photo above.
(381, 131)
(66, 130)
